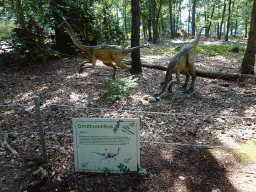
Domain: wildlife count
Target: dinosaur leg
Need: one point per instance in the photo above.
(90, 66)
(119, 63)
(168, 78)
(114, 68)
(172, 82)
(184, 86)
(191, 70)
(104, 158)
(193, 74)
(81, 66)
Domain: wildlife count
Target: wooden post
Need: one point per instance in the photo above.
(40, 128)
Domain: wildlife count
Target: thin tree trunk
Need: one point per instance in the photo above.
(171, 19)
(209, 27)
(193, 18)
(247, 66)
(222, 18)
(20, 15)
(246, 23)
(154, 25)
(135, 40)
(228, 22)
(149, 29)
(158, 15)
(236, 28)
(189, 12)
(125, 18)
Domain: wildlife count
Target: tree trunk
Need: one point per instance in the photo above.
(245, 23)
(135, 40)
(222, 18)
(209, 27)
(157, 17)
(20, 15)
(207, 74)
(149, 29)
(189, 12)
(247, 66)
(228, 22)
(125, 18)
(154, 21)
(171, 20)
(193, 18)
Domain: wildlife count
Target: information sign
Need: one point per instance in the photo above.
(110, 144)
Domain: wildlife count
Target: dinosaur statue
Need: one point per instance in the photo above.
(183, 33)
(108, 155)
(105, 53)
(182, 62)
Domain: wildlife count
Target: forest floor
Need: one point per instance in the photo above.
(210, 121)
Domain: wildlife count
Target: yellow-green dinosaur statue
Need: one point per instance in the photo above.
(182, 62)
(106, 53)
(183, 33)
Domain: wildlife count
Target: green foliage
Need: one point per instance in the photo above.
(247, 152)
(160, 50)
(179, 95)
(123, 168)
(106, 171)
(118, 89)
(108, 24)
(6, 29)
(26, 50)
(219, 49)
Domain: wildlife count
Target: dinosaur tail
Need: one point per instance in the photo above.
(167, 78)
(125, 51)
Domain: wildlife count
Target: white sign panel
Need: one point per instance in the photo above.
(102, 144)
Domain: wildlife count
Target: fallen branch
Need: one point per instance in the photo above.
(5, 145)
(214, 75)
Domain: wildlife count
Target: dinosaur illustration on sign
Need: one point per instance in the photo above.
(108, 155)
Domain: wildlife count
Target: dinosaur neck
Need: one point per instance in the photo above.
(74, 39)
(196, 41)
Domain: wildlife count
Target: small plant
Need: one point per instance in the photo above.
(106, 171)
(247, 152)
(179, 95)
(123, 168)
(168, 106)
(118, 89)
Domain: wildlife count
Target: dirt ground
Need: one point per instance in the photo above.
(190, 140)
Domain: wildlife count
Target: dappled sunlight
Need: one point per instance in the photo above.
(250, 111)
(167, 155)
(73, 76)
(179, 185)
(74, 97)
(172, 119)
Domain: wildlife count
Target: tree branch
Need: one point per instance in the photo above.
(207, 74)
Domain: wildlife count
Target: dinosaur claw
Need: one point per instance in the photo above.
(80, 71)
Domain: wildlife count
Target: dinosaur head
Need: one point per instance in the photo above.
(64, 24)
